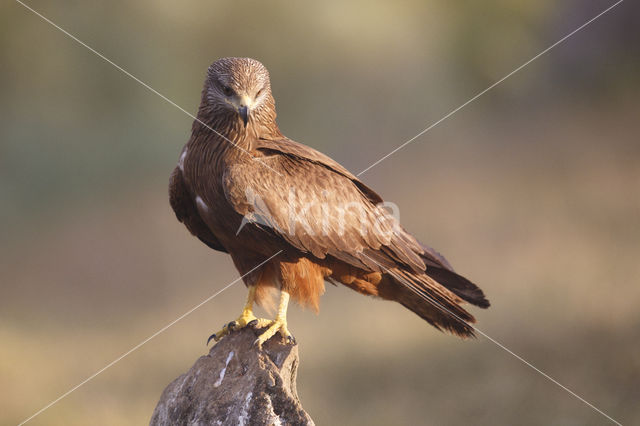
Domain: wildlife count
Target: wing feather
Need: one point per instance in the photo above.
(317, 206)
(186, 211)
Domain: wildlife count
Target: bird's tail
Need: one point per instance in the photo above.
(436, 295)
(439, 269)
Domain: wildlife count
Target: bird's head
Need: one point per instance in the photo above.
(239, 89)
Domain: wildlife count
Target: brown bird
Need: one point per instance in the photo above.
(244, 188)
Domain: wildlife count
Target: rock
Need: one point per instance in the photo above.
(236, 384)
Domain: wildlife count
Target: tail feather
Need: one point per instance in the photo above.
(461, 286)
(429, 300)
(435, 293)
(441, 270)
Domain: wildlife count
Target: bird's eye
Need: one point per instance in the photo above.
(228, 91)
(259, 93)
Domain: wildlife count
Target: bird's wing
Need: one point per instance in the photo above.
(186, 211)
(319, 207)
(290, 148)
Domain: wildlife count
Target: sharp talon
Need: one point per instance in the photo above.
(291, 340)
(253, 323)
(232, 325)
(213, 336)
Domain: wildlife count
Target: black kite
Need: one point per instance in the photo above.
(244, 188)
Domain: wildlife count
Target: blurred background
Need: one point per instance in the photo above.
(533, 191)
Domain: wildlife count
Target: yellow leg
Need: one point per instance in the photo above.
(243, 320)
(279, 324)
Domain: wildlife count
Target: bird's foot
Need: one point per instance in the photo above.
(278, 325)
(244, 320)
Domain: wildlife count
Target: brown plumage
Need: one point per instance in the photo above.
(244, 188)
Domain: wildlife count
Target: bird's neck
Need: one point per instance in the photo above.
(229, 135)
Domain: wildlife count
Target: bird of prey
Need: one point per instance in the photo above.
(244, 188)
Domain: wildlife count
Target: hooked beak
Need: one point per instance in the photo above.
(243, 110)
